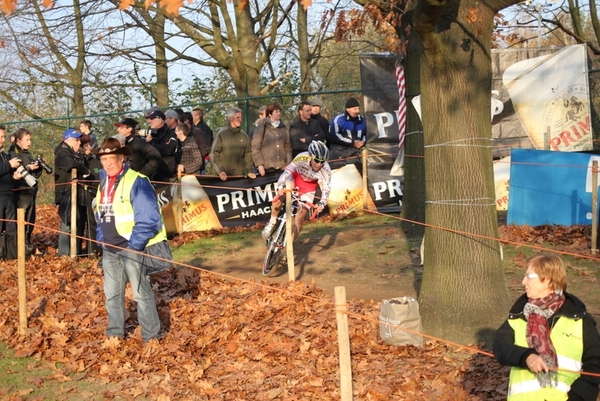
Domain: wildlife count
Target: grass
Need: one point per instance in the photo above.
(32, 379)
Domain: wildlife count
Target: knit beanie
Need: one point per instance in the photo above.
(352, 102)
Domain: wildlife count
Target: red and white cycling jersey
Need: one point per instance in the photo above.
(305, 178)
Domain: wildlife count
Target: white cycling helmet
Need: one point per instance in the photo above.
(317, 150)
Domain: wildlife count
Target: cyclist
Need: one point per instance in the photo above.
(306, 171)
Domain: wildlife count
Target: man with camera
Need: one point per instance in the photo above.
(7, 207)
(67, 158)
(164, 140)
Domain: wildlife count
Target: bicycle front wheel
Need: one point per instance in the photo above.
(275, 251)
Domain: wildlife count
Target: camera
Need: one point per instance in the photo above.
(39, 160)
(146, 132)
(26, 175)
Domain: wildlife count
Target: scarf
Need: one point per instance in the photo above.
(537, 312)
(275, 124)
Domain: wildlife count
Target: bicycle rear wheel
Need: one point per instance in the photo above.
(275, 250)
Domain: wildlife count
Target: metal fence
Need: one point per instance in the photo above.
(47, 133)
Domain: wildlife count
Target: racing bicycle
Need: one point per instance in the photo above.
(276, 242)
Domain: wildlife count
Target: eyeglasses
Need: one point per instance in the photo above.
(108, 150)
(319, 161)
(531, 276)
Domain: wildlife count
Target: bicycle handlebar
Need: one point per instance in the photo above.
(310, 205)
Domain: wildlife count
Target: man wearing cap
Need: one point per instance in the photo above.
(304, 130)
(164, 140)
(144, 157)
(129, 220)
(316, 104)
(347, 135)
(67, 158)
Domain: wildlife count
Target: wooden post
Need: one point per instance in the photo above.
(21, 271)
(289, 232)
(594, 207)
(344, 343)
(180, 202)
(73, 247)
(547, 138)
(364, 178)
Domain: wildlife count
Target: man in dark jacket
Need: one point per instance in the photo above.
(316, 105)
(144, 157)
(7, 169)
(165, 141)
(67, 158)
(304, 130)
(198, 116)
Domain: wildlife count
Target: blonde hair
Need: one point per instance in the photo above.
(549, 266)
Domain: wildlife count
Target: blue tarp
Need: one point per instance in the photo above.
(550, 187)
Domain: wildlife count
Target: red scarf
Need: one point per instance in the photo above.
(537, 312)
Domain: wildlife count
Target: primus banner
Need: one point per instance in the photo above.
(201, 203)
(541, 99)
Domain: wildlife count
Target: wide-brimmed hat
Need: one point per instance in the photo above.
(112, 146)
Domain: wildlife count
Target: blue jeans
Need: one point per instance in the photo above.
(120, 267)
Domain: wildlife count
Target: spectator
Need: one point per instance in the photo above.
(8, 214)
(144, 157)
(304, 130)
(67, 158)
(316, 105)
(164, 140)
(191, 158)
(127, 224)
(198, 116)
(271, 149)
(90, 188)
(548, 338)
(198, 136)
(85, 127)
(231, 154)
(347, 135)
(261, 115)
(25, 195)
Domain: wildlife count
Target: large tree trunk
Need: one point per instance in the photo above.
(463, 295)
(413, 197)
(161, 89)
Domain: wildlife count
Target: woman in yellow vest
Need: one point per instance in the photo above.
(549, 338)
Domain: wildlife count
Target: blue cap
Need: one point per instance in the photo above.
(71, 133)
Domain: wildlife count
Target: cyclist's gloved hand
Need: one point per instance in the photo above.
(320, 207)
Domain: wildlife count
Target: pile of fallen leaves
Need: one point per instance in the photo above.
(230, 340)
(225, 340)
(576, 239)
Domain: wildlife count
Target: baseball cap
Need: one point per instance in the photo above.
(154, 113)
(127, 122)
(315, 101)
(71, 133)
(172, 114)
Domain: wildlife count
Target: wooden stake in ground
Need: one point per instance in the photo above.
(73, 252)
(289, 232)
(594, 207)
(21, 271)
(344, 343)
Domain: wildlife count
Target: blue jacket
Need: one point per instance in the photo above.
(344, 130)
(147, 217)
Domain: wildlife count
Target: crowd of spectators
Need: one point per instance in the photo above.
(174, 142)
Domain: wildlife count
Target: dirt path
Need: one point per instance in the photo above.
(334, 260)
